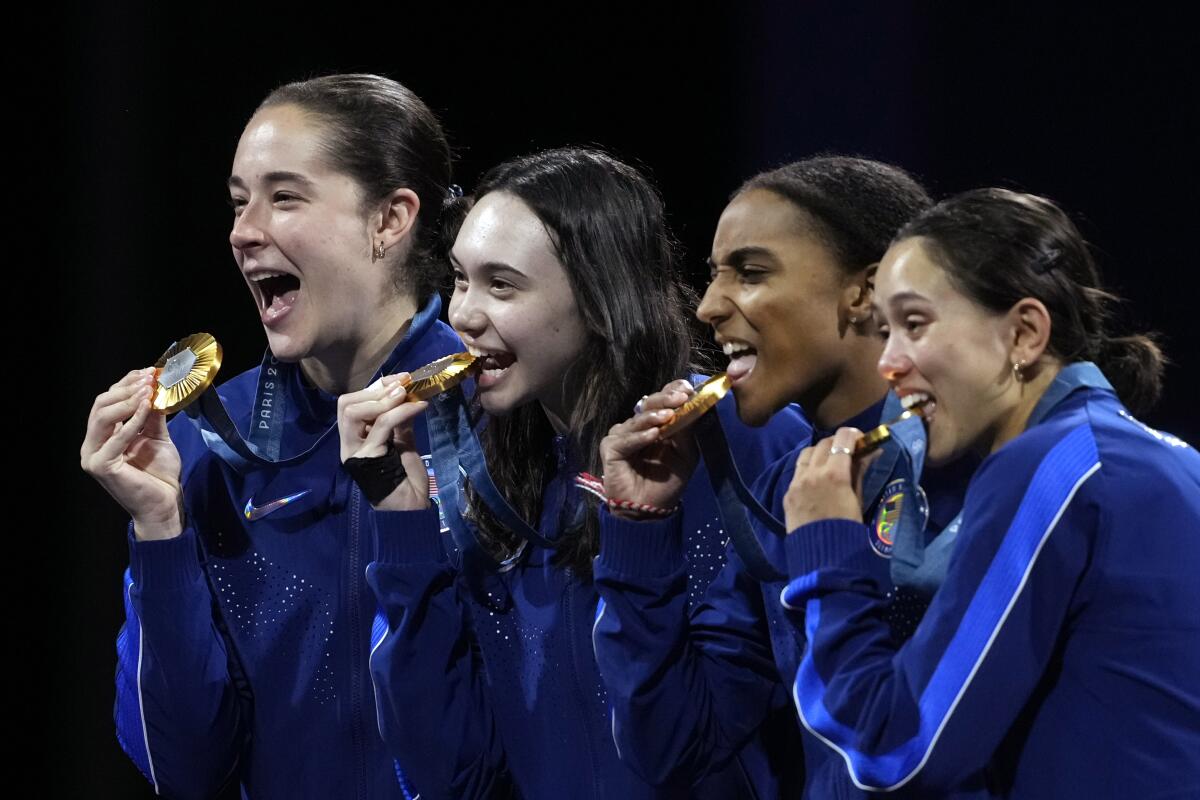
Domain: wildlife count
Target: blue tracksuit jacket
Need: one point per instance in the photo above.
(691, 687)
(244, 652)
(1062, 653)
(484, 702)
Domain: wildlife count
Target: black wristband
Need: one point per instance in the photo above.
(377, 477)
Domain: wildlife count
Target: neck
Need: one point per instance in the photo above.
(559, 407)
(850, 390)
(557, 420)
(1029, 392)
(348, 367)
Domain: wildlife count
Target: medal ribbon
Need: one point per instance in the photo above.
(276, 380)
(922, 565)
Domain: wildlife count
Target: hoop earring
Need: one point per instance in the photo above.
(1018, 376)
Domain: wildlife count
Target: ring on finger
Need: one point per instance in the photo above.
(640, 405)
(840, 451)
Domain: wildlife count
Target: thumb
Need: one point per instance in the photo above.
(155, 426)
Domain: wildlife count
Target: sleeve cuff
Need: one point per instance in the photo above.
(651, 548)
(829, 543)
(409, 537)
(165, 565)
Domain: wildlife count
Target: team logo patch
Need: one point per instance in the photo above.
(887, 517)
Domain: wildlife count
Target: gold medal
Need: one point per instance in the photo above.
(707, 395)
(440, 376)
(873, 439)
(184, 372)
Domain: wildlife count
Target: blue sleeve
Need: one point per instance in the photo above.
(930, 713)
(177, 710)
(429, 677)
(688, 690)
(686, 693)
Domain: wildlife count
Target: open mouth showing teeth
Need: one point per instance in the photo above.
(920, 403)
(275, 289)
(492, 364)
(742, 358)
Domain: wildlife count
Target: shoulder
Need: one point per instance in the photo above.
(1139, 463)
(1065, 436)
(774, 480)
(437, 340)
(1090, 445)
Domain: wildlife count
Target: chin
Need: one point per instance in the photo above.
(284, 348)
(749, 411)
(494, 404)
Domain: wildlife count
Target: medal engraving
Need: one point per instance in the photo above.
(440, 376)
(184, 372)
(177, 368)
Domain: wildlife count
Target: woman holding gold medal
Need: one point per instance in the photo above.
(793, 272)
(565, 288)
(1060, 655)
(244, 655)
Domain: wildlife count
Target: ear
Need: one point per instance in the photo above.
(1030, 321)
(396, 217)
(858, 296)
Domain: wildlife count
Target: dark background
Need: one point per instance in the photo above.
(1087, 107)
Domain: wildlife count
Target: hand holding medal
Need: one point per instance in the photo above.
(646, 466)
(127, 448)
(375, 427)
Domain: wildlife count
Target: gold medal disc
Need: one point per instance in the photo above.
(707, 395)
(440, 376)
(184, 372)
(873, 439)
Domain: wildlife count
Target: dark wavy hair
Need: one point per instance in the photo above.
(855, 205)
(385, 138)
(998, 246)
(608, 228)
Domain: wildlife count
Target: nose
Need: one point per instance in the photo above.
(714, 306)
(247, 231)
(894, 363)
(465, 314)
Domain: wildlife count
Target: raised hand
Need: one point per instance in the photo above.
(127, 450)
(375, 420)
(640, 466)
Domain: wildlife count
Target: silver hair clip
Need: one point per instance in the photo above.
(1046, 261)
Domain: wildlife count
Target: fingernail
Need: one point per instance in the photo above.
(396, 392)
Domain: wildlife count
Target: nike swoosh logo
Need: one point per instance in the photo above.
(254, 512)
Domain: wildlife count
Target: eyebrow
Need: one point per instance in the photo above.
(905, 296)
(279, 176)
(488, 267)
(741, 255)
